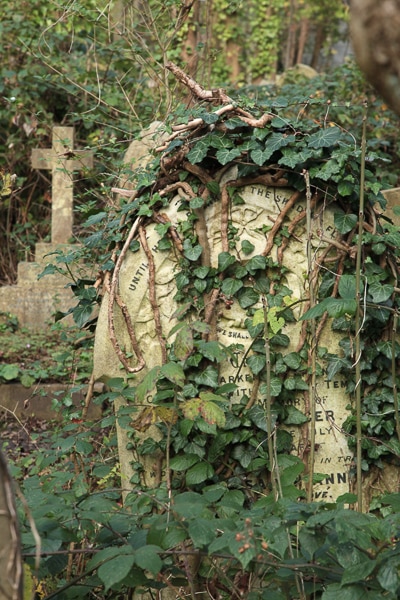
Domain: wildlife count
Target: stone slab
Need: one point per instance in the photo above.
(261, 206)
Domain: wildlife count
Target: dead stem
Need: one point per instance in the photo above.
(224, 218)
(279, 221)
(152, 293)
(163, 218)
(196, 88)
(113, 296)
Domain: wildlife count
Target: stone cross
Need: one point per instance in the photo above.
(62, 160)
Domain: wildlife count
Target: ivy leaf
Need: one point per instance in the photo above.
(82, 313)
(199, 151)
(148, 384)
(345, 188)
(247, 247)
(335, 365)
(275, 323)
(208, 377)
(292, 360)
(247, 297)
(192, 252)
(256, 362)
(174, 373)
(183, 345)
(199, 473)
(388, 577)
(347, 287)
(324, 138)
(212, 414)
(343, 222)
(231, 286)
(225, 260)
(224, 156)
(256, 263)
(380, 292)
(295, 416)
(191, 409)
(211, 350)
(292, 158)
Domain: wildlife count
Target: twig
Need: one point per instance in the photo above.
(196, 88)
(152, 293)
(278, 222)
(113, 296)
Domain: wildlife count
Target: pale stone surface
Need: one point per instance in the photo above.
(392, 198)
(33, 300)
(58, 160)
(261, 206)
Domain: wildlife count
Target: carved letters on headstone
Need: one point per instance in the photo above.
(62, 160)
(261, 206)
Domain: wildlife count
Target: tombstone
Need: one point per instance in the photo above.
(262, 204)
(34, 301)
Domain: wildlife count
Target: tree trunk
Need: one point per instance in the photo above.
(10, 549)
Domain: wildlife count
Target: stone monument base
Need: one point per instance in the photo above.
(34, 301)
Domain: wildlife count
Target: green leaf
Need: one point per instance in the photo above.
(183, 345)
(196, 203)
(147, 558)
(192, 253)
(295, 416)
(256, 263)
(174, 373)
(211, 350)
(388, 578)
(335, 591)
(345, 188)
(112, 572)
(225, 260)
(247, 247)
(212, 414)
(199, 473)
(347, 287)
(324, 138)
(335, 365)
(82, 313)
(183, 462)
(247, 297)
(26, 380)
(148, 384)
(208, 377)
(202, 532)
(224, 156)
(231, 286)
(256, 363)
(292, 360)
(358, 572)
(199, 151)
(9, 372)
(380, 292)
(292, 158)
(345, 223)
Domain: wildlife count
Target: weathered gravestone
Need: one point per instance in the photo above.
(33, 301)
(261, 205)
